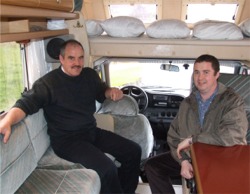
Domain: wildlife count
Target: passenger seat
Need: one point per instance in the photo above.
(241, 85)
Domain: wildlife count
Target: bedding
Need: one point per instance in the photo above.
(217, 30)
(128, 37)
(123, 26)
(245, 27)
(146, 47)
(94, 28)
(168, 28)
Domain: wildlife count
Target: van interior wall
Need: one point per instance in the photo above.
(171, 9)
(246, 11)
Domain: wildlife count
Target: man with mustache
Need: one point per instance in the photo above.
(211, 114)
(68, 96)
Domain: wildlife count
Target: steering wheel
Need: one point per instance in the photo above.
(138, 94)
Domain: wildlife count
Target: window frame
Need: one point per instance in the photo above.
(237, 16)
(122, 2)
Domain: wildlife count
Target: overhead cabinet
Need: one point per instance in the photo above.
(60, 5)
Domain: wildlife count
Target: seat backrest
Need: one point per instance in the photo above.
(17, 159)
(241, 85)
(37, 130)
(127, 106)
(129, 123)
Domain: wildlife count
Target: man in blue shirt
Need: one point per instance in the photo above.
(211, 114)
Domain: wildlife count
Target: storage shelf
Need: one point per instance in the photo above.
(9, 11)
(31, 35)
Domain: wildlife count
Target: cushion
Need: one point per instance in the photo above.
(245, 27)
(217, 30)
(94, 28)
(50, 159)
(17, 159)
(37, 130)
(78, 181)
(123, 26)
(168, 28)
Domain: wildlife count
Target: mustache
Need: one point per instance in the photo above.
(76, 66)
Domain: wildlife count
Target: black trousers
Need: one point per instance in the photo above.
(88, 149)
(158, 170)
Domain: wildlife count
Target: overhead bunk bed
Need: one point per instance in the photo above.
(147, 47)
(151, 43)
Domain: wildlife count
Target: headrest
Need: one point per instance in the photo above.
(125, 106)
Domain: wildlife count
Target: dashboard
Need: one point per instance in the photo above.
(162, 107)
(159, 106)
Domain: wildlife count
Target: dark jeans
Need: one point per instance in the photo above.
(88, 149)
(158, 170)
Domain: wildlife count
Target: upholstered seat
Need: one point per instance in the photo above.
(29, 165)
(241, 85)
(129, 123)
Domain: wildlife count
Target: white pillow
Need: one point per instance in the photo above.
(245, 27)
(123, 26)
(94, 28)
(168, 28)
(217, 30)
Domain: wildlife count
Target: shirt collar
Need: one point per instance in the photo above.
(199, 98)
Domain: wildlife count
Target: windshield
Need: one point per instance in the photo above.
(156, 75)
(150, 75)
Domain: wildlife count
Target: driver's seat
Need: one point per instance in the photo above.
(129, 123)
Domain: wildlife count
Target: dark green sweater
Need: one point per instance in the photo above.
(68, 102)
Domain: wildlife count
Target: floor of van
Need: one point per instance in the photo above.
(143, 188)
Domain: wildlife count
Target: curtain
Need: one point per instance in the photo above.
(36, 64)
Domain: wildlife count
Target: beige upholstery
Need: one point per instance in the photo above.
(104, 121)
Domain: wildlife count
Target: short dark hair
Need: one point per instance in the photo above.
(69, 42)
(209, 58)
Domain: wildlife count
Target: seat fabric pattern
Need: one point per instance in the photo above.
(127, 106)
(28, 167)
(129, 123)
(60, 181)
(241, 85)
(137, 129)
(17, 159)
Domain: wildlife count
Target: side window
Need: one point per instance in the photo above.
(11, 74)
(198, 10)
(147, 11)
